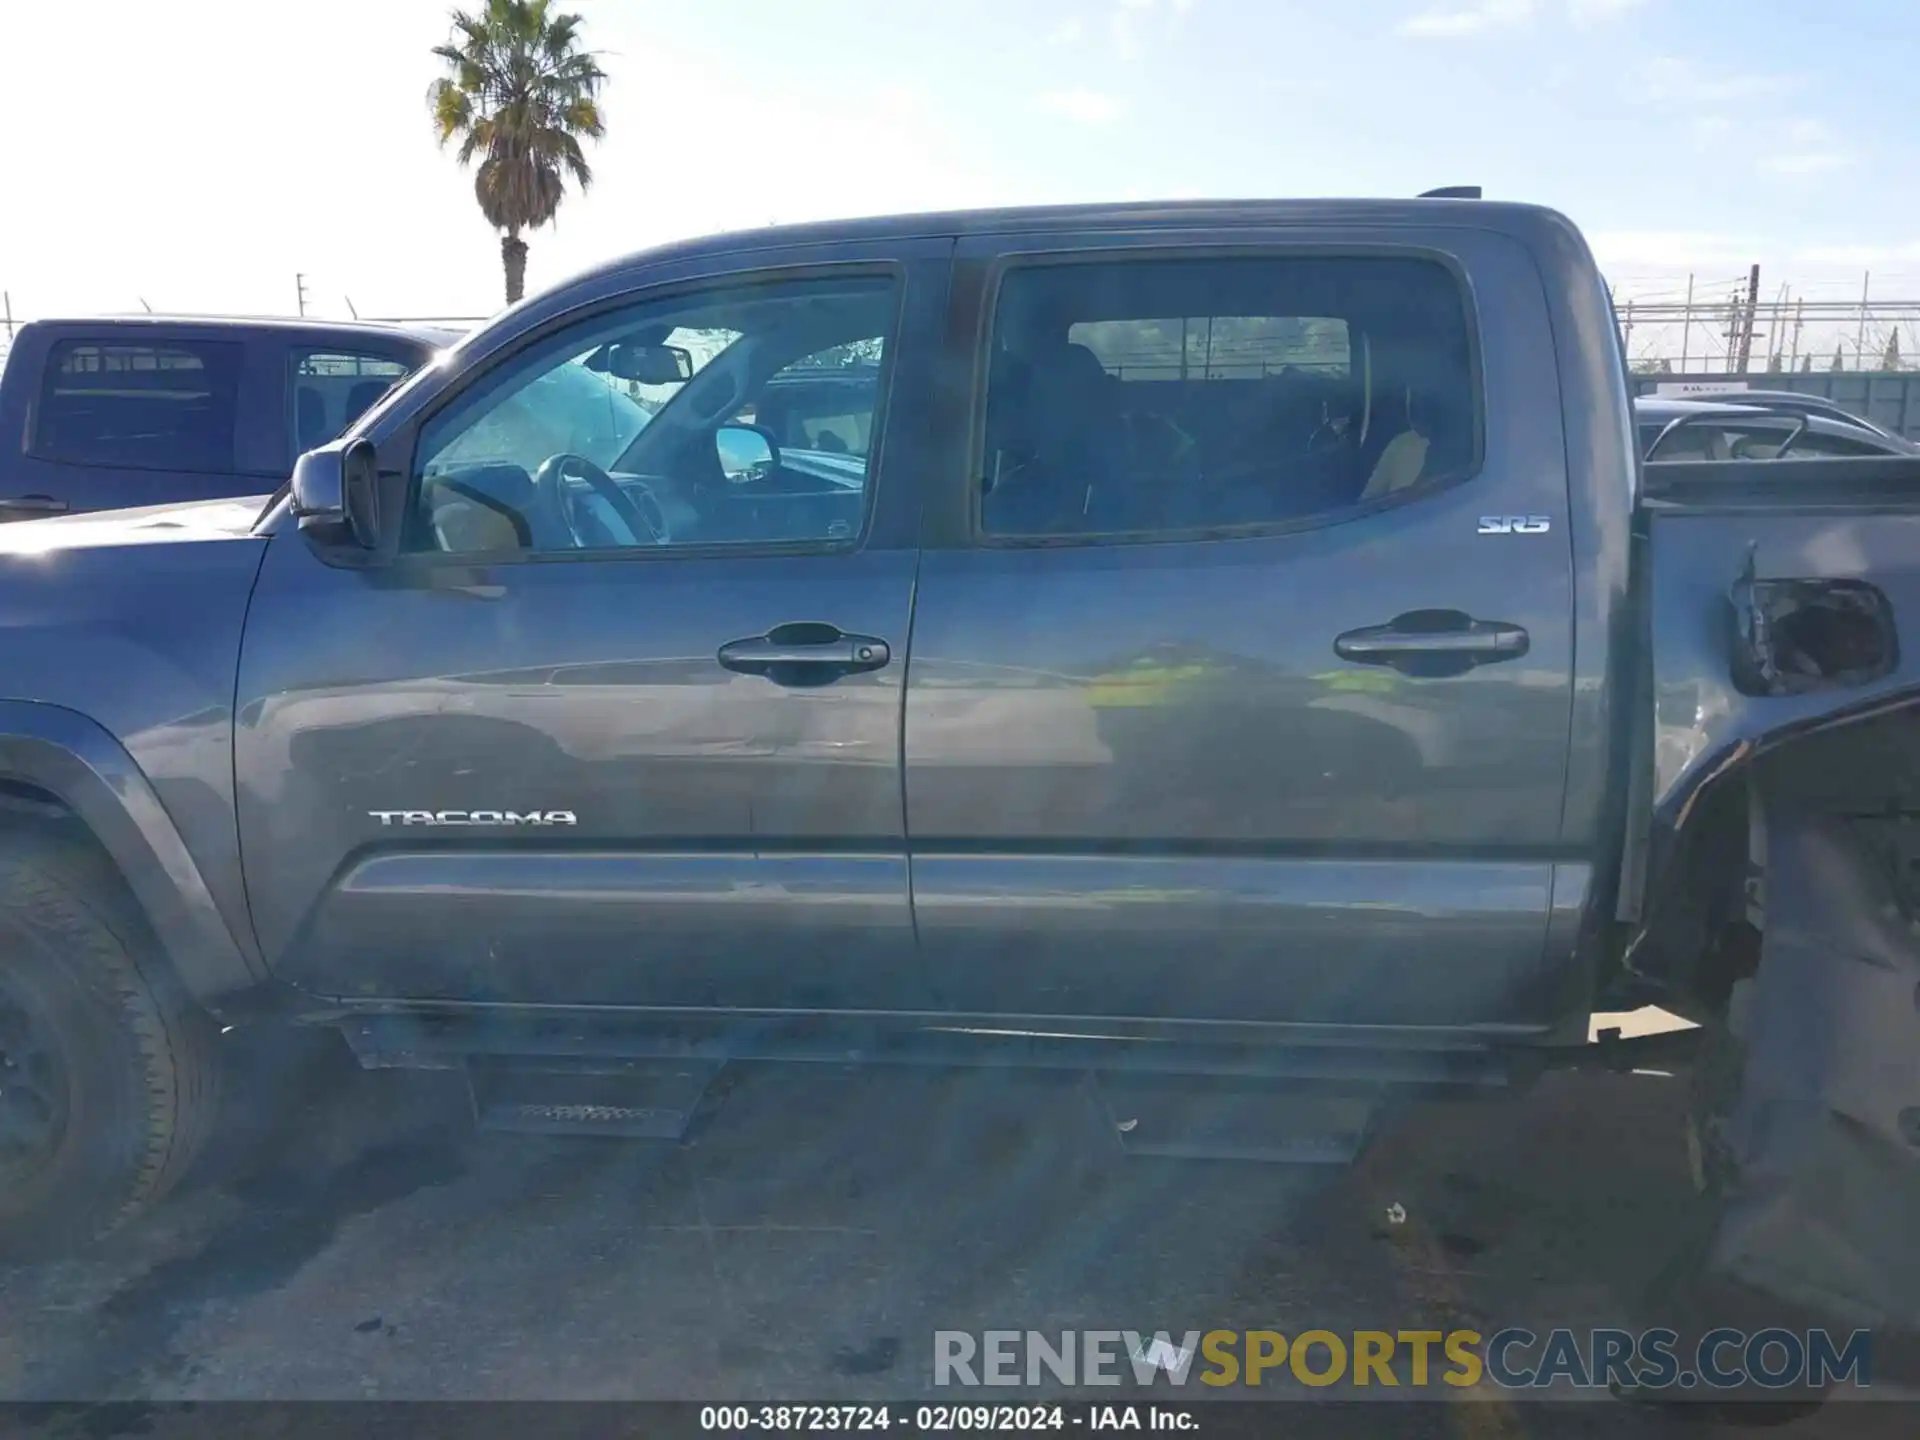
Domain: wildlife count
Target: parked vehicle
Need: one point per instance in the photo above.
(149, 409)
(1249, 646)
(1758, 427)
(1797, 401)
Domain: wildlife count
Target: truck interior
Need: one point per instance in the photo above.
(1267, 392)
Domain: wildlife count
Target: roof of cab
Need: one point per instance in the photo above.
(1545, 231)
(435, 335)
(1131, 216)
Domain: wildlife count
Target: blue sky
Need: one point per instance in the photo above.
(198, 155)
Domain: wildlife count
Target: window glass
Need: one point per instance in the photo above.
(1143, 396)
(741, 416)
(823, 402)
(1694, 440)
(1818, 445)
(139, 407)
(332, 389)
(1216, 347)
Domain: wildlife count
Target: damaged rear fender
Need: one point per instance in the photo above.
(1823, 1137)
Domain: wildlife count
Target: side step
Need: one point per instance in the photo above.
(449, 1041)
(1204, 1119)
(647, 1100)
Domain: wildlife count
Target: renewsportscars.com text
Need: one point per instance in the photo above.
(1513, 1358)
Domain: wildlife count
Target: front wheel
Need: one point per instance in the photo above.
(107, 1075)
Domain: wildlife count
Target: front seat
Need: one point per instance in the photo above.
(309, 418)
(1402, 460)
(1066, 423)
(481, 509)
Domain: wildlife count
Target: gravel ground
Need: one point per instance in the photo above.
(353, 1238)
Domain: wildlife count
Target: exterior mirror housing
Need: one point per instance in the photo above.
(746, 453)
(336, 494)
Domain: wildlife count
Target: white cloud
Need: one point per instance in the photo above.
(1859, 257)
(1805, 148)
(1130, 17)
(1804, 162)
(1083, 106)
(1711, 129)
(1668, 80)
(1679, 248)
(1471, 19)
(1070, 31)
(1790, 164)
(1477, 17)
(1598, 12)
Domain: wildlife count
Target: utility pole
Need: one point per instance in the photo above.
(6, 304)
(1799, 319)
(1746, 324)
(1686, 325)
(1626, 328)
(1860, 340)
(300, 292)
(1732, 332)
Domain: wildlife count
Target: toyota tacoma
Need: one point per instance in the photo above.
(1225, 642)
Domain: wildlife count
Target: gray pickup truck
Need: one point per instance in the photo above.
(1234, 643)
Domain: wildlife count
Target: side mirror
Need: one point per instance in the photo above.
(746, 453)
(336, 494)
(643, 364)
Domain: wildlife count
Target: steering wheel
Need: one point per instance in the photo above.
(645, 524)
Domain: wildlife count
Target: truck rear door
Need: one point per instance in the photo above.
(1242, 666)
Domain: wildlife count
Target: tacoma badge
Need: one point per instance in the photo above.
(474, 817)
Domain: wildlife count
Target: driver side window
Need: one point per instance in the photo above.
(731, 416)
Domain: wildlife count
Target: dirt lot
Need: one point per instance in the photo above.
(353, 1238)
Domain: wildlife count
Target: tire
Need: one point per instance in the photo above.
(108, 1085)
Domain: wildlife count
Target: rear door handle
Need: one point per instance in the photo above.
(34, 505)
(805, 654)
(1433, 643)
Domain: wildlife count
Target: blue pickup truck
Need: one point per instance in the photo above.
(108, 413)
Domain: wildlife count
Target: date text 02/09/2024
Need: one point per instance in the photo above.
(943, 1419)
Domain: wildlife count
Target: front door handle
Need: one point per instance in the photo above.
(805, 654)
(33, 505)
(1433, 643)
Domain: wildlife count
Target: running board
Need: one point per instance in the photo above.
(636, 1100)
(401, 1040)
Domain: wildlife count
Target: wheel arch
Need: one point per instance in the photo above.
(53, 761)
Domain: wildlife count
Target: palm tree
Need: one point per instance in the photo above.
(521, 95)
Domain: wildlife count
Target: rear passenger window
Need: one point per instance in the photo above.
(332, 389)
(139, 407)
(1163, 396)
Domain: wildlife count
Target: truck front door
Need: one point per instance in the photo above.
(620, 725)
(1242, 660)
